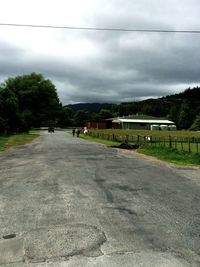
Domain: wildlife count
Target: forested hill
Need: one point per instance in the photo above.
(90, 107)
(157, 107)
(188, 94)
(182, 108)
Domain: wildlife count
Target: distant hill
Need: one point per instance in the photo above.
(189, 94)
(90, 107)
(182, 108)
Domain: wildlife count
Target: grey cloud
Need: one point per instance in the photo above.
(126, 66)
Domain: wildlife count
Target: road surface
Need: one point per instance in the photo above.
(65, 201)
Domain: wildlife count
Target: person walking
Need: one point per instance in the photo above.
(78, 132)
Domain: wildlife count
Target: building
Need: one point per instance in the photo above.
(142, 124)
(103, 124)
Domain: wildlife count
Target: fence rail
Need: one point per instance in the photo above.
(188, 144)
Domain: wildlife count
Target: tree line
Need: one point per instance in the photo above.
(30, 100)
(182, 108)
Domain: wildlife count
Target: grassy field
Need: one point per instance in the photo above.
(17, 139)
(183, 134)
(172, 155)
(183, 149)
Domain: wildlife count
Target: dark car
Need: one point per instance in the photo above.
(51, 129)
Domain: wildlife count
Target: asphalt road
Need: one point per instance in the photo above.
(67, 202)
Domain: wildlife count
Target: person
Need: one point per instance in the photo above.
(73, 132)
(78, 132)
(85, 130)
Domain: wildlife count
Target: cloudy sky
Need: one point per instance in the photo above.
(103, 66)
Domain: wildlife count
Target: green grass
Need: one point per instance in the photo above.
(181, 146)
(98, 140)
(16, 139)
(183, 134)
(172, 155)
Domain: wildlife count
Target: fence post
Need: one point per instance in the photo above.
(181, 144)
(170, 142)
(189, 147)
(175, 141)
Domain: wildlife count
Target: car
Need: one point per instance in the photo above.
(51, 129)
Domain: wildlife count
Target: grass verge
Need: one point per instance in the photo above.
(172, 155)
(98, 140)
(163, 153)
(16, 139)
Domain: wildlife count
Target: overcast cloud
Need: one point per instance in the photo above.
(99, 66)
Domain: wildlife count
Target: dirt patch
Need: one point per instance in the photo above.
(128, 146)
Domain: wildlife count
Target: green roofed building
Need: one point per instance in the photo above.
(143, 123)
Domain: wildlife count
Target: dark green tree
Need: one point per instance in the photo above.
(80, 117)
(66, 117)
(105, 114)
(184, 120)
(9, 110)
(196, 124)
(32, 99)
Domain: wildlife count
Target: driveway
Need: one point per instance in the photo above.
(65, 201)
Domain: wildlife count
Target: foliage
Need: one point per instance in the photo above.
(65, 117)
(105, 114)
(181, 108)
(196, 125)
(90, 107)
(80, 117)
(27, 101)
(184, 119)
(31, 101)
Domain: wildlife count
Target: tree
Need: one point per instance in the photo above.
(196, 124)
(66, 117)
(80, 117)
(105, 114)
(9, 111)
(184, 120)
(32, 99)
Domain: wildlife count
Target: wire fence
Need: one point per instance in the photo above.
(188, 144)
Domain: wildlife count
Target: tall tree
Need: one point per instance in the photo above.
(80, 117)
(105, 114)
(196, 124)
(184, 117)
(33, 97)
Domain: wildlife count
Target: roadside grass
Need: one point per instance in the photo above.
(17, 139)
(99, 140)
(180, 146)
(165, 153)
(172, 155)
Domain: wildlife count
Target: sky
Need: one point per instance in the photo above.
(103, 66)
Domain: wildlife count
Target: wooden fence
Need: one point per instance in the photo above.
(189, 144)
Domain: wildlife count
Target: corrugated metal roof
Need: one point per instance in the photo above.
(144, 121)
